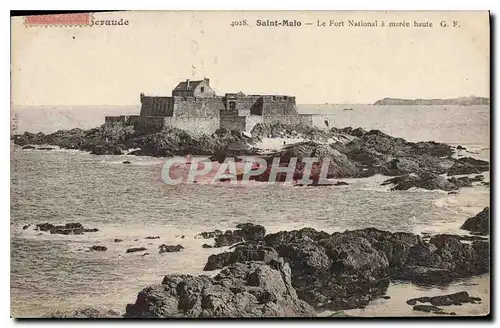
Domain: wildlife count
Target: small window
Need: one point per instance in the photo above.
(232, 105)
(202, 89)
(285, 98)
(274, 97)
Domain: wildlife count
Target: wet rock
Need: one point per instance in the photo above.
(98, 248)
(253, 232)
(479, 224)
(106, 149)
(118, 240)
(427, 308)
(136, 249)
(468, 165)
(209, 234)
(242, 253)
(170, 248)
(67, 229)
(250, 289)
(153, 237)
(244, 225)
(228, 238)
(445, 300)
(427, 181)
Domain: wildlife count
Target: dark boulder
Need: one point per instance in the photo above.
(242, 253)
(241, 290)
(468, 165)
(170, 248)
(118, 240)
(208, 234)
(427, 181)
(126, 162)
(106, 149)
(228, 238)
(153, 237)
(98, 248)
(479, 224)
(206, 246)
(67, 229)
(446, 300)
(136, 249)
(427, 308)
(254, 232)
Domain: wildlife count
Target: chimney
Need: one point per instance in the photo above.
(207, 81)
(187, 82)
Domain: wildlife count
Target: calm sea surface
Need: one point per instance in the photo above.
(52, 272)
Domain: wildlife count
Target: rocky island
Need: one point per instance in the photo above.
(352, 153)
(461, 101)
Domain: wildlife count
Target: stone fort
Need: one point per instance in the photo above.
(195, 107)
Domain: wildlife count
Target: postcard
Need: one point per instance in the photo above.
(250, 164)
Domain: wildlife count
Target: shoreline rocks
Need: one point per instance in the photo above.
(136, 249)
(479, 224)
(67, 229)
(170, 248)
(245, 290)
(352, 153)
(347, 270)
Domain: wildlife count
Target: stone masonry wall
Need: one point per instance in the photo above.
(193, 125)
(197, 107)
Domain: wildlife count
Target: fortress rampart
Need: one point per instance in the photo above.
(196, 108)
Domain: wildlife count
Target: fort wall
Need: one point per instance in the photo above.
(197, 107)
(193, 125)
(156, 106)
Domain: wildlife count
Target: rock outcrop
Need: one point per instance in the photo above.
(479, 224)
(346, 270)
(170, 248)
(241, 290)
(351, 153)
(67, 229)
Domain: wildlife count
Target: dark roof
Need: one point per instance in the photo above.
(183, 85)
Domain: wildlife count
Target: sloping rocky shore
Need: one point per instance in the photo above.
(272, 275)
(351, 153)
(301, 273)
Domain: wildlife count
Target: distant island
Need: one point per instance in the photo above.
(462, 101)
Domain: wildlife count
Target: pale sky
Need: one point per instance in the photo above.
(113, 65)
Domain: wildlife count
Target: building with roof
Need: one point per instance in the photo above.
(195, 107)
